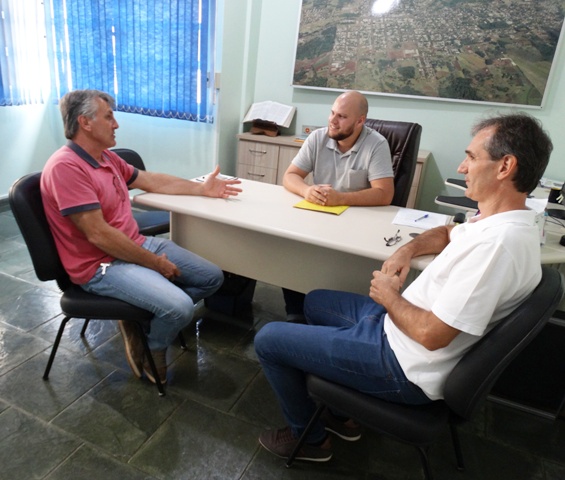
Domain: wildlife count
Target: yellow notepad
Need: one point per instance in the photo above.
(337, 210)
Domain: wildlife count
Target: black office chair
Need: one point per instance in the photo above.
(457, 202)
(27, 207)
(150, 222)
(466, 387)
(404, 141)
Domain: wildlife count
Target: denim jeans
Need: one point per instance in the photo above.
(171, 302)
(344, 342)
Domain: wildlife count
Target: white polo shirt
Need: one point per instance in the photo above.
(489, 267)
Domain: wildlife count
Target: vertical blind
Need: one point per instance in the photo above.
(22, 52)
(154, 56)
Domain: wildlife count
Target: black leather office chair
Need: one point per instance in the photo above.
(404, 141)
(466, 387)
(150, 222)
(27, 207)
(457, 202)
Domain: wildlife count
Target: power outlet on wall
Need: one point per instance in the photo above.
(308, 129)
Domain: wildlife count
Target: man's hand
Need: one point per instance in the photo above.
(216, 187)
(317, 194)
(385, 288)
(397, 265)
(166, 268)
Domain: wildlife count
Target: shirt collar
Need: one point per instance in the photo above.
(517, 216)
(333, 144)
(82, 153)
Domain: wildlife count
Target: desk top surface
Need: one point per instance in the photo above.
(268, 208)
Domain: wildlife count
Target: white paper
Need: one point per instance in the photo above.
(419, 218)
(537, 204)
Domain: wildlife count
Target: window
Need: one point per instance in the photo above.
(153, 56)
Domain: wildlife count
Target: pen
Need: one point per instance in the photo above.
(422, 217)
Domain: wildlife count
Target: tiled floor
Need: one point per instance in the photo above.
(94, 420)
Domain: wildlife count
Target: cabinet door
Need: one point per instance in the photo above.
(257, 161)
(258, 154)
(286, 155)
(259, 174)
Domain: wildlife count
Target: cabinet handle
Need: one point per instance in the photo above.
(255, 174)
(261, 152)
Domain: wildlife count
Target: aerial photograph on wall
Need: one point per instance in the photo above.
(493, 51)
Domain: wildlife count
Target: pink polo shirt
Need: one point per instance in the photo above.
(72, 182)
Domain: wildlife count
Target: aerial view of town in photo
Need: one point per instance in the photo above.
(496, 51)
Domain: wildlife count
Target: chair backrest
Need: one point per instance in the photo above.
(130, 156)
(475, 374)
(404, 141)
(27, 207)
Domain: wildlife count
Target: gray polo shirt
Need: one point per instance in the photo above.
(369, 159)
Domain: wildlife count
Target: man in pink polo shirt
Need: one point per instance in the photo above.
(84, 187)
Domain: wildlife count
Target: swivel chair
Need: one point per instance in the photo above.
(465, 389)
(404, 140)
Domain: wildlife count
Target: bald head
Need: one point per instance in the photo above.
(355, 101)
(347, 118)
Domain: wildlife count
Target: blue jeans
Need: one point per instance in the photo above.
(172, 303)
(344, 342)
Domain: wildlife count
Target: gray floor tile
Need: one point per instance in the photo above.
(87, 463)
(70, 377)
(17, 347)
(529, 433)
(554, 471)
(16, 260)
(258, 404)
(199, 442)
(30, 448)
(97, 334)
(11, 287)
(30, 309)
(119, 415)
(211, 378)
(8, 226)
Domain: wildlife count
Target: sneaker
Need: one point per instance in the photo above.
(133, 346)
(160, 360)
(281, 443)
(348, 430)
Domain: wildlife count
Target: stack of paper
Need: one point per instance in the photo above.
(420, 219)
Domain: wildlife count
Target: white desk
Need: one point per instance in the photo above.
(260, 235)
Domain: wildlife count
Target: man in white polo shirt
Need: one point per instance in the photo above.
(402, 347)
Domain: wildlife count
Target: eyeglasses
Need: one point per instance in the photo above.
(389, 242)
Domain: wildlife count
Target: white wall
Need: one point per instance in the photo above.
(257, 50)
(446, 125)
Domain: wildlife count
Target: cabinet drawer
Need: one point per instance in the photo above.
(258, 154)
(257, 173)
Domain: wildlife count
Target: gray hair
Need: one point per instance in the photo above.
(80, 102)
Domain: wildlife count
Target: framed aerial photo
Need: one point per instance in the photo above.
(490, 51)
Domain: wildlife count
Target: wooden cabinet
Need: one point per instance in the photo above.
(265, 159)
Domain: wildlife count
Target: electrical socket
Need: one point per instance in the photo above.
(308, 129)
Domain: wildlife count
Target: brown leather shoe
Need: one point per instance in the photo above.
(133, 346)
(160, 359)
